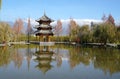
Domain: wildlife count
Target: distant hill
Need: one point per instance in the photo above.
(80, 22)
(65, 24)
(10, 23)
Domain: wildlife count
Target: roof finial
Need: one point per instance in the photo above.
(44, 13)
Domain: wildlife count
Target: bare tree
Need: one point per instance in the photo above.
(18, 27)
(104, 18)
(73, 30)
(73, 24)
(58, 29)
(29, 29)
(108, 19)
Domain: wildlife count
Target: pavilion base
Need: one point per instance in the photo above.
(43, 43)
(46, 43)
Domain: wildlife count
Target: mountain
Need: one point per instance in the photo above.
(80, 22)
(65, 23)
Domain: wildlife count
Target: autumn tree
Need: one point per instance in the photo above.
(108, 19)
(29, 29)
(73, 30)
(111, 20)
(58, 29)
(17, 28)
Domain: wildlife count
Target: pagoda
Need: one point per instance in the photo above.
(44, 29)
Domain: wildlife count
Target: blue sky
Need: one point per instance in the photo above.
(59, 9)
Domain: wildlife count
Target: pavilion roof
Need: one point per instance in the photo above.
(44, 18)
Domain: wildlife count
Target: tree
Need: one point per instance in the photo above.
(111, 19)
(6, 33)
(104, 18)
(72, 26)
(0, 4)
(73, 30)
(85, 34)
(104, 33)
(118, 34)
(29, 29)
(18, 27)
(58, 29)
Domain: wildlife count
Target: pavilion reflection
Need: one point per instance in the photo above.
(44, 58)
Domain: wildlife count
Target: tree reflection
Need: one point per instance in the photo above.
(17, 57)
(77, 56)
(58, 56)
(5, 56)
(9, 54)
(108, 60)
(29, 54)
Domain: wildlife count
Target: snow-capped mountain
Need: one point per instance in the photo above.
(65, 23)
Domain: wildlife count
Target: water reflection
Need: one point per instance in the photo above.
(78, 56)
(5, 56)
(16, 55)
(45, 58)
(108, 60)
(29, 54)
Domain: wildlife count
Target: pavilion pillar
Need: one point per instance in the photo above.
(36, 37)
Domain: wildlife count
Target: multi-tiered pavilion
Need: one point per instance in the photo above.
(44, 29)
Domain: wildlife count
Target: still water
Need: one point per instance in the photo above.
(59, 62)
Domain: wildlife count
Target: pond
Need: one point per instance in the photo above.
(59, 62)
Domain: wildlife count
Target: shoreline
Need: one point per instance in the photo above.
(111, 45)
